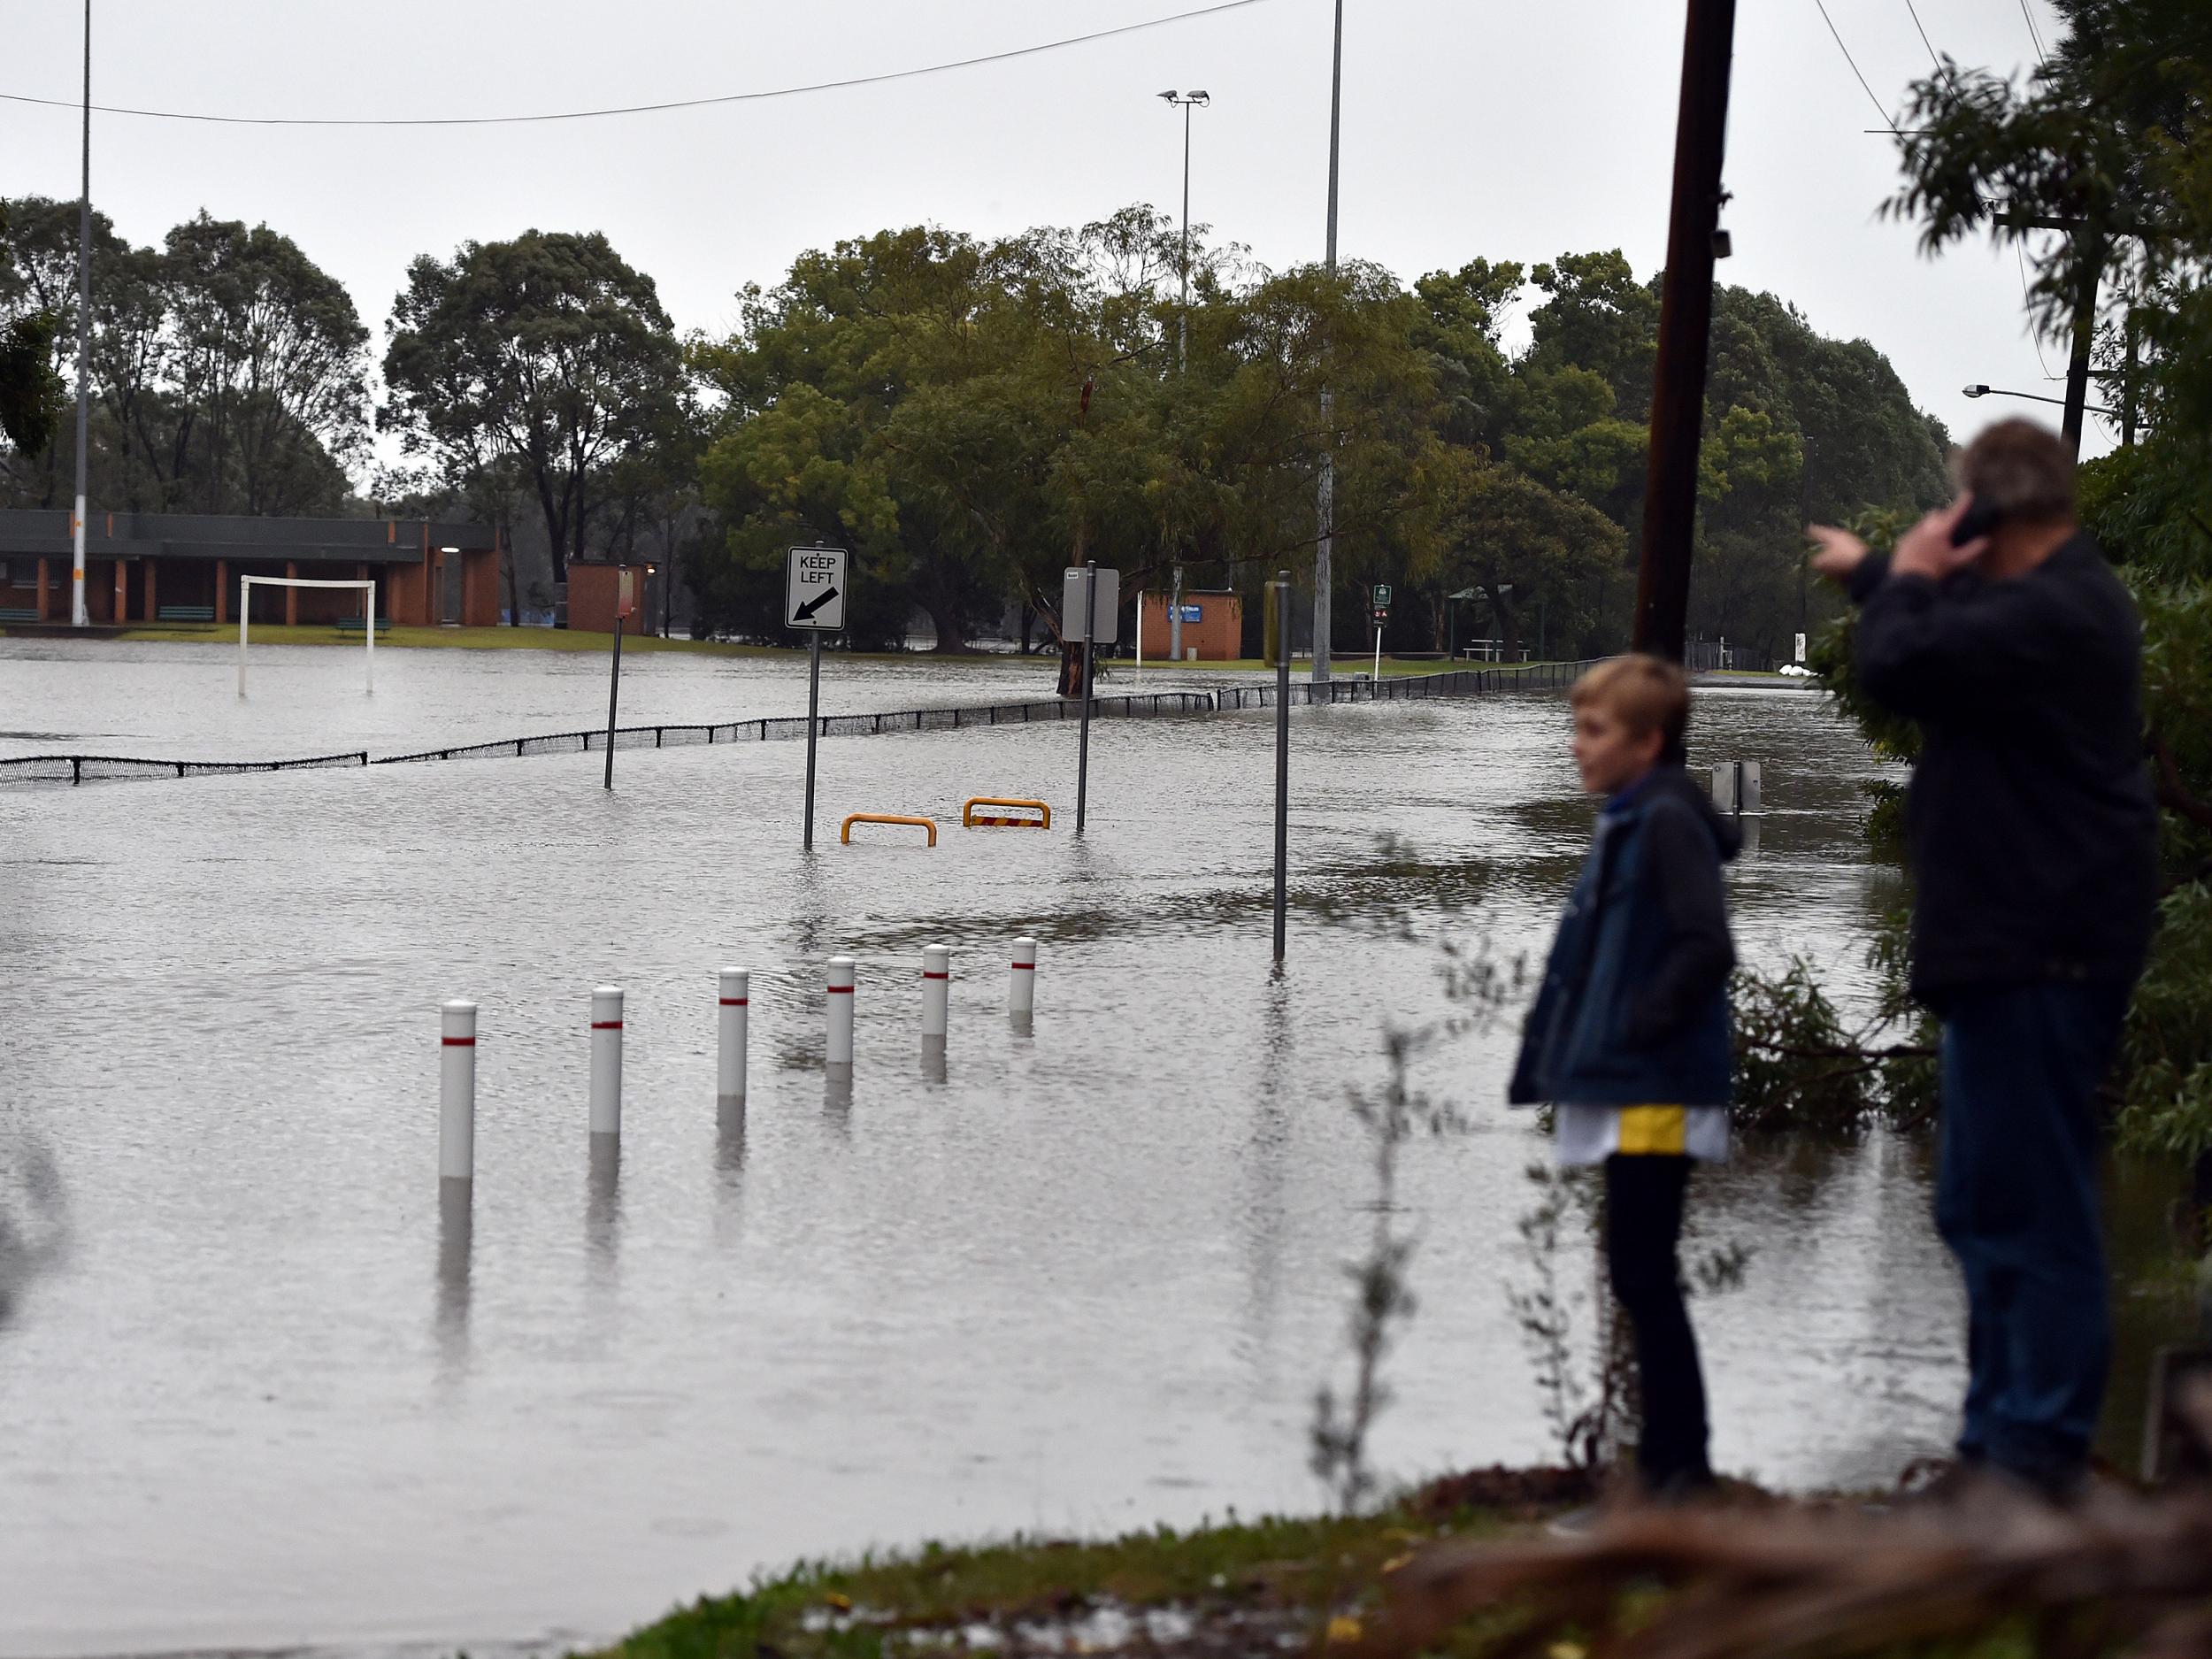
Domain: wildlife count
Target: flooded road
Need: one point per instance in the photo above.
(260, 1392)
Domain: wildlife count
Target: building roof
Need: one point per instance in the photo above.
(43, 531)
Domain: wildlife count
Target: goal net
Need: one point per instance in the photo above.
(247, 584)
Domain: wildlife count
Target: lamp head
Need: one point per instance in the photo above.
(1169, 95)
(1199, 97)
(1975, 391)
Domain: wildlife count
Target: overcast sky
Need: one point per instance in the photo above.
(1516, 131)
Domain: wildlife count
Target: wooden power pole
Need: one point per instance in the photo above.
(1685, 326)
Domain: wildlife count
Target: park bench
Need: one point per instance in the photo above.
(357, 625)
(184, 613)
(18, 613)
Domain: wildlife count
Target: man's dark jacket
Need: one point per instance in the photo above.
(1634, 1009)
(2031, 823)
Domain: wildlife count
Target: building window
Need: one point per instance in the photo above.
(22, 573)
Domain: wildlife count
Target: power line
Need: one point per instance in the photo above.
(2028, 301)
(1888, 124)
(1933, 55)
(2034, 35)
(651, 109)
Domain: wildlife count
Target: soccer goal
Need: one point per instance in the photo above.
(246, 585)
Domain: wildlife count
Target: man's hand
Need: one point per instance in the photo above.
(1925, 549)
(1841, 552)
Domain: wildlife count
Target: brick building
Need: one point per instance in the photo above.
(1213, 625)
(184, 567)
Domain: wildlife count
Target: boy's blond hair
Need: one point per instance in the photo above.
(1644, 693)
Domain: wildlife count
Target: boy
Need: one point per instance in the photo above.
(1629, 1038)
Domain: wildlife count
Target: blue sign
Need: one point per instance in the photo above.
(1190, 613)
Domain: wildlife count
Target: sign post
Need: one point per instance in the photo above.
(814, 590)
(614, 677)
(1382, 615)
(1282, 765)
(1094, 595)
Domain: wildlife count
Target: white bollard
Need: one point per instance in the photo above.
(457, 1091)
(841, 1016)
(736, 1007)
(606, 1060)
(1021, 990)
(936, 990)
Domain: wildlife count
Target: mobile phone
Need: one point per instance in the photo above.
(1976, 522)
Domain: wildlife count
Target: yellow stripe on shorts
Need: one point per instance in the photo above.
(1653, 1131)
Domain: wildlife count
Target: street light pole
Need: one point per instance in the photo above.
(77, 617)
(1324, 506)
(1979, 390)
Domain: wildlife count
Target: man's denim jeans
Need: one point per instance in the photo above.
(2016, 1201)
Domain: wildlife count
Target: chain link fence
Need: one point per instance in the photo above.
(76, 769)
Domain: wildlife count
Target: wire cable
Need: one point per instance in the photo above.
(2028, 300)
(1934, 56)
(2034, 35)
(1887, 123)
(650, 109)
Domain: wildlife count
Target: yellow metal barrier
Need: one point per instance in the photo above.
(970, 819)
(846, 834)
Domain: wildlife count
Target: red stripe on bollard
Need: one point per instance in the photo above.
(733, 1002)
(935, 976)
(840, 990)
(606, 1025)
(458, 1043)
(1030, 965)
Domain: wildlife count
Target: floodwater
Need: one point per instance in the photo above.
(259, 1392)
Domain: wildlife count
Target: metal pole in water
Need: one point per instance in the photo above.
(813, 707)
(734, 1012)
(457, 1091)
(1083, 742)
(614, 691)
(1282, 762)
(1021, 989)
(840, 1017)
(606, 1060)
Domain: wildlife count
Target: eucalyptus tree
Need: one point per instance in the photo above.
(549, 351)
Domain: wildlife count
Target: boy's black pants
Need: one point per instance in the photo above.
(1643, 1228)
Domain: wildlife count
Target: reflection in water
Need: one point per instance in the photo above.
(837, 1098)
(457, 1244)
(729, 1167)
(934, 1059)
(1263, 1210)
(33, 1217)
(603, 1205)
(1022, 1023)
(729, 1137)
(1749, 822)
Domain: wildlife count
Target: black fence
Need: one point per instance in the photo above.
(74, 769)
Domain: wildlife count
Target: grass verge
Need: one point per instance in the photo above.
(1276, 1583)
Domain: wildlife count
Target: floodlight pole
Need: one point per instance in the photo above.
(1324, 540)
(77, 615)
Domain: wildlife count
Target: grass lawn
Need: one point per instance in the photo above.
(1122, 672)
(1273, 1585)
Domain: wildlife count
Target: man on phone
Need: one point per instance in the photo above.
(2033, 832)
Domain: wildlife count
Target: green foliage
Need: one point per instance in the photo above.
(986, 410)
(547, 353)
(1799, 1069)
(227, 368)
